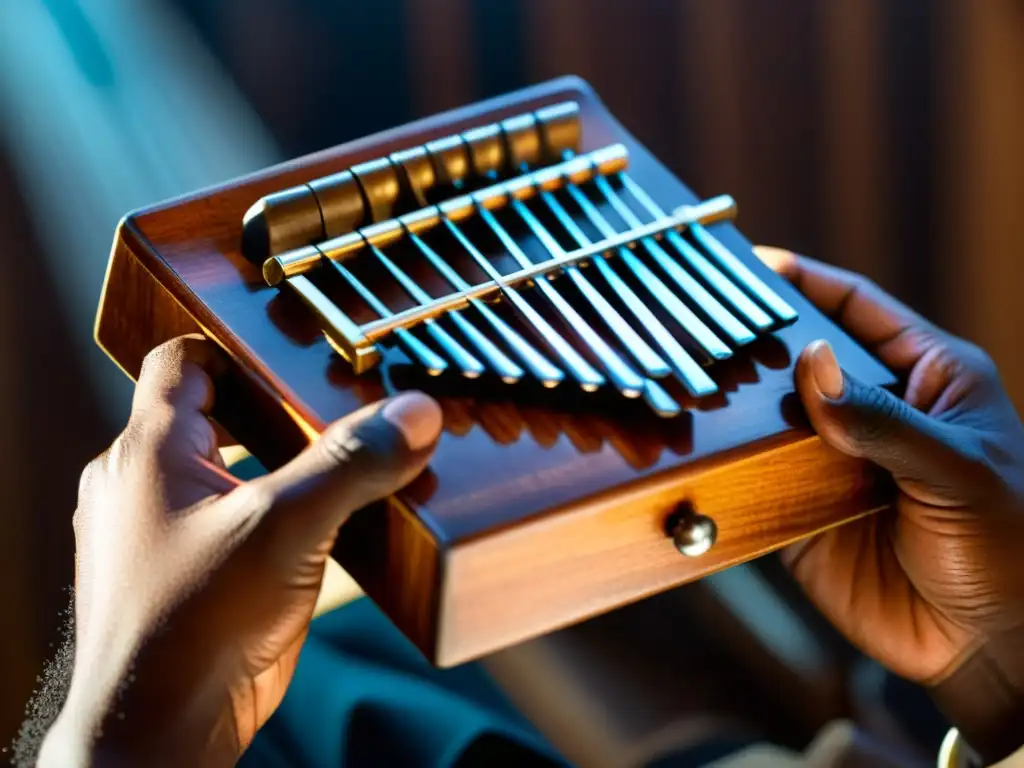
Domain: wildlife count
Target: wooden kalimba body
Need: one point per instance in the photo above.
(614, 364)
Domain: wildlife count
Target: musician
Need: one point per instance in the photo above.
(194, 590)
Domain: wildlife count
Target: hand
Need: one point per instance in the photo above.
(194, 591)
(936, 587)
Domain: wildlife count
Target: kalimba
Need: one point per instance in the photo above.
(614, 364)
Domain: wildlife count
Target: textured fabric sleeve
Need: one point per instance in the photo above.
(984, 697)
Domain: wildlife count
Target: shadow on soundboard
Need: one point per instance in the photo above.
(508, 413)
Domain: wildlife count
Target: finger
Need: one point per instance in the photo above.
(926, 457)
(178, 375)
(174, 396)
(887, 327)
(360, 459)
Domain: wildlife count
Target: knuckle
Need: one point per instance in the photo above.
(88, 479)
(846, 276)
(146, 434)
(141, 433)
(367, 455)
(982, 364)
(340, 446)
(866, 285)
(880, 411)
(120, 450)
(78, 521)
(972, 358)
(371, 449)
(256, 498)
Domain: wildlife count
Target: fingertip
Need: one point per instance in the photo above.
(778, 260)
(417, 416)
(825, 371)
(180, 373)
(170, 358)
(831, 399)
(818, 377)
(207, 355)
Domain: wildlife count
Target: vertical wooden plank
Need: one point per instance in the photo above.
(911, 92)
(982, 221)
(633, 72)
(558, 38)
(711, 77)
(440, 35)
(856, 204)
(780, 53)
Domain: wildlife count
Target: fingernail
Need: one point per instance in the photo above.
(828, 376)
(417, 417)
(775, 259)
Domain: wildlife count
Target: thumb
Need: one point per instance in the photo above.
(360, 459)
(872, 423)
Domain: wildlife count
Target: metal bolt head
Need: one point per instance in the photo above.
(694, 534)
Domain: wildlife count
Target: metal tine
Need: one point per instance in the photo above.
(660, 401)
(689, 372)
(728, 289)
(743, 274)
(588, 377)
(539, 366)
(737, 332)
(471, 367)
(625, 379)
(432, 362)
(649, 360)
(707, 339)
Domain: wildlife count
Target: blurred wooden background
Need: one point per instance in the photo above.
(881, 135)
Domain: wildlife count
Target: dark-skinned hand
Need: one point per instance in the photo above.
(934, 590)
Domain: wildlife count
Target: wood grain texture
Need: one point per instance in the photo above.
(613, 550)
(136, 312)
(399, 565)
(536, 510)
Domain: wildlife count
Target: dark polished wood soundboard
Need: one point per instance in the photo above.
(538, 510)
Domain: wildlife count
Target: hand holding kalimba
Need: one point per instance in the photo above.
(935, 590)
(184, 665)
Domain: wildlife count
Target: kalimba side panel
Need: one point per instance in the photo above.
(547, 501)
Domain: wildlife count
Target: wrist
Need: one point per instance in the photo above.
(984, 696)
(146, 708)
(65, 746)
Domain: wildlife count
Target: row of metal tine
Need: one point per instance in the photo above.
(738, 304)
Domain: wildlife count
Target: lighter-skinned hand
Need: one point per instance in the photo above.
(194, 591)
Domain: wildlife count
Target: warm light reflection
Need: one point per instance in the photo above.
(312, 433)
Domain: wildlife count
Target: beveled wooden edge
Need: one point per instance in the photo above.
(124, 279)
(399, 564)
